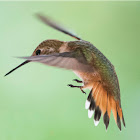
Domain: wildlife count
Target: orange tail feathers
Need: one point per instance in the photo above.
(102, 103)
(117, 112)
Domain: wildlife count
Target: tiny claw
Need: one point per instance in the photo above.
(78, 81)
(83, 91)
(70, 85)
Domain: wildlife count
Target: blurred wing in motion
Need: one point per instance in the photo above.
(67, 60)
(54, 25)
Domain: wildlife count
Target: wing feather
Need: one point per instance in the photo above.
(67, 60)
(55, 25)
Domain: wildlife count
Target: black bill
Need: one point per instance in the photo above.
(25, 62)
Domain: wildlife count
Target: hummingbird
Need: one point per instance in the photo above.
(94, 70)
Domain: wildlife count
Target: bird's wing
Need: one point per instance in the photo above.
(67, 60)
(54, 25)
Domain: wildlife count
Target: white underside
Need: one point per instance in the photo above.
(78, 75)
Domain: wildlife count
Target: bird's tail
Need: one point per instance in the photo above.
(100, 102)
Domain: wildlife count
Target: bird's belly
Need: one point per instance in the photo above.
(88, 78)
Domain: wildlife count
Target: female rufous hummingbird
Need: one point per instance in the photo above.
(90, 65)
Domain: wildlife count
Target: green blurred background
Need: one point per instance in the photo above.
(35, 102)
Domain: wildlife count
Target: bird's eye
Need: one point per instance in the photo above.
(38, 52)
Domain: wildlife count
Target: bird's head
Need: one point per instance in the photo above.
(44, 48)
(48, 47)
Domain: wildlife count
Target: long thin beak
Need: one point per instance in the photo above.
(27, 61)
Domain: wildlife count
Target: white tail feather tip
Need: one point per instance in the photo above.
(87, 104)
(90, 113)
(96, 122)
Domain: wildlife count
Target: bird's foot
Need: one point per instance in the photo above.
(78, 81)
(70, 85)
